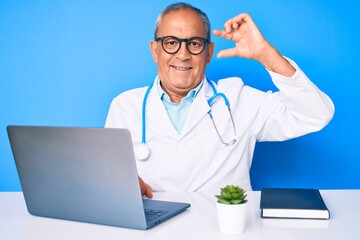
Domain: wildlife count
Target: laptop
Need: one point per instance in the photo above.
(86, 175)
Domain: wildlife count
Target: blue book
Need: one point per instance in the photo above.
(293, 203)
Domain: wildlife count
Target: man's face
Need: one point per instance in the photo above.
(182, 71)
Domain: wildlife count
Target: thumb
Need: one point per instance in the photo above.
(148, 192)
(145, 188)
(231, 52)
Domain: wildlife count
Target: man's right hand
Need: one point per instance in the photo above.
(250, 43)
(145, 188)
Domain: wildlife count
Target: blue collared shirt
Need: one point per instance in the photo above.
(178, 112)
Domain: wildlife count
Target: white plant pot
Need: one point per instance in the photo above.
(231, 218)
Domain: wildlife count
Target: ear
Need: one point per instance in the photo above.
(153, 49)
(210, 52)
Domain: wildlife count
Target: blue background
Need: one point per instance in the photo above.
(62, 62)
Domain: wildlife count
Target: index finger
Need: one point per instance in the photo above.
(223, 34)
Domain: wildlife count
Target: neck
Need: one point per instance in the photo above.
(175, 98)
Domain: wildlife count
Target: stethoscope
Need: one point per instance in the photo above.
(142, 151)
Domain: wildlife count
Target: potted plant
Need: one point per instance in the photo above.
(231, 209)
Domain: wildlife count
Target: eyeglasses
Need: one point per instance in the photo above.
(172, 45)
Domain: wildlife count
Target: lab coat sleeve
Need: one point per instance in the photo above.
(119, 115)
(113, 117)
(298, 108)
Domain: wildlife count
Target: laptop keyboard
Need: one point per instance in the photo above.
(151, 214)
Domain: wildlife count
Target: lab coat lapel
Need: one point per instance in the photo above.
(199, 108)
(157, 114)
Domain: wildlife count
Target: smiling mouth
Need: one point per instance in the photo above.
(181, 68)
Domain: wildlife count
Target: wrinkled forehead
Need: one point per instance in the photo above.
(182, 23)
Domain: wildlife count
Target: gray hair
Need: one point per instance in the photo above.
(180, 6)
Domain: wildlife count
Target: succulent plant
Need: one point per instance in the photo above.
(232, 194)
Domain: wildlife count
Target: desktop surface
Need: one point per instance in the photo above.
(198, 222)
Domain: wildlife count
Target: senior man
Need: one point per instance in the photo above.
(193, 134)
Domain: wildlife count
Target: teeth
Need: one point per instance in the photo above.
(182, 68)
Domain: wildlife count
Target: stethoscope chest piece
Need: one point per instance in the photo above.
(142, 151)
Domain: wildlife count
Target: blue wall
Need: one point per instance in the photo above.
(62, 62)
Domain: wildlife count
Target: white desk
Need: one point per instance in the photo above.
(198, 222)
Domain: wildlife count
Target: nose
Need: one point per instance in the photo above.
(183, 53)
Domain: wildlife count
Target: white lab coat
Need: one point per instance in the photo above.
(195, 159)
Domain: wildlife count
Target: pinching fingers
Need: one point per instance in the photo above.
(223, 34)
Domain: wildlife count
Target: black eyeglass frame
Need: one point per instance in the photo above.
(181, 40)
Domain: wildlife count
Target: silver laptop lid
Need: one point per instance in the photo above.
(91, 170)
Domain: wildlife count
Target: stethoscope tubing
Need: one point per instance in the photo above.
(143, 114)
(145, 150)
